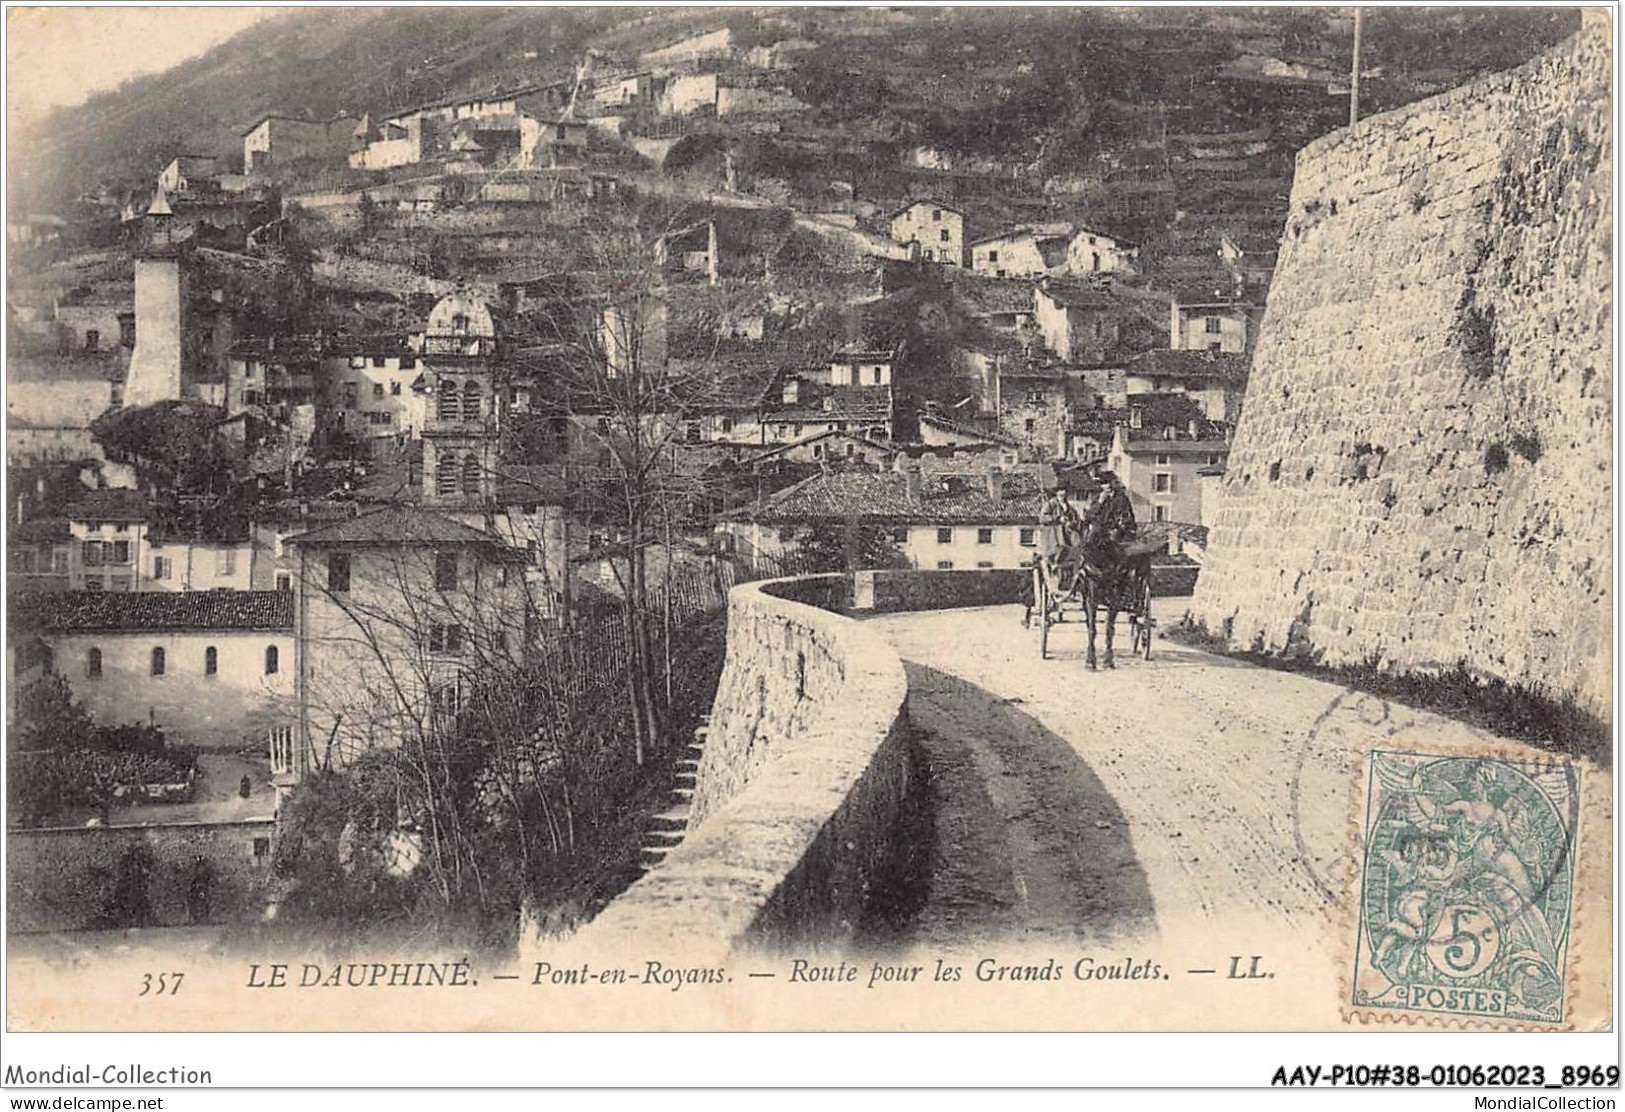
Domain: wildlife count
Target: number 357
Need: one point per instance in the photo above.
(160, 984)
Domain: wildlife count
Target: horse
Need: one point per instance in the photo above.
(1104, 574)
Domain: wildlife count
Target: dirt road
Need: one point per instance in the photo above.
(1170, 798)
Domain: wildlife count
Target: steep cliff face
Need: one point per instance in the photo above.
(1423, 469)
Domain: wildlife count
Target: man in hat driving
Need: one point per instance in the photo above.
(1116, 511)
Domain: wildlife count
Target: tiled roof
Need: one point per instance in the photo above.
(780, 449)
(1224, 366)
(396, 525)
(1072, 295)
(945, 498)
(963, 428)
(1159, 411)
(110, 505)
(1182, 446)
(156, 611)
(530, 483)
(840, 409)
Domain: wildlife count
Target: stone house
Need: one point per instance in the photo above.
(852, 367)
(1022, 253)
(275, 141)
(109, 540)
(375, 387)
(179, 563)
(1079, 322)
(397, 611)
(1211, 320)
(1089, 251)
(190, 173)
(943, 517)
(1162, 468)
(932, 231)
(211, 668)
(1035, 409)
(1215, 380)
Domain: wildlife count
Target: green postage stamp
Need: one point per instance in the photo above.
(1466, 887)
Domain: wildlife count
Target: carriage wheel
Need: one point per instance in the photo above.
(1041, 606)
(1145, 616)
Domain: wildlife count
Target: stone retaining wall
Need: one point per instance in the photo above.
(799, 786)
(62, 878)
(1422, 471)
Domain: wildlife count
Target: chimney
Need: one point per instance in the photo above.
(792, 390)
(1196, 429)
(995, 483)
(911, 478)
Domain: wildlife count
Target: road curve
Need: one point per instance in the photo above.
(1163, 799)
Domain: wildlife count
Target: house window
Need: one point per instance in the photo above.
(126, 333)
(1212, 326)
(225, 562)
(1094, 260)
(162, 567)
(378, 389)
(446, 401)
(157, 662)
(1215, 346)
(211, 661)
(1029, 424)
(942, 236)
(984, 564)
(900, 535)
(471, 475)
(120, 553)
(338, 571)
(471, 401)
(1029, 537)
(1213, 461)
(1000, 274)
(445, 638)
(984, 536)
(992, 256)
(262, 848)
(93, 339)
(1162, 483)
(945, 565)
(284, 581)
(945, 536)
(1162, 461)
(394, 389)
(1159, 513)
(93, 664)
(378, 361)
(936, 214)
(273, 660)
(445, 571)
(357, 361)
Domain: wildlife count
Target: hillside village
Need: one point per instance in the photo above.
(337, 429)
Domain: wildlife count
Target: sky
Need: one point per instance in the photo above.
(60, 56)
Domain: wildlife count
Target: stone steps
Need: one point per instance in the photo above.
(665, 831)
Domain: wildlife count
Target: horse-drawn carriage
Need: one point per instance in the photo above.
(1093, 575)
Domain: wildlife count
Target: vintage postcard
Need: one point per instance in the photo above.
(596, 519)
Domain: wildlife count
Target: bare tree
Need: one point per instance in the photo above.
(596, 346)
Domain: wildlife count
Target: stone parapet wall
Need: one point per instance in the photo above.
(62, 878)
(799, 787)
(1422, 474)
